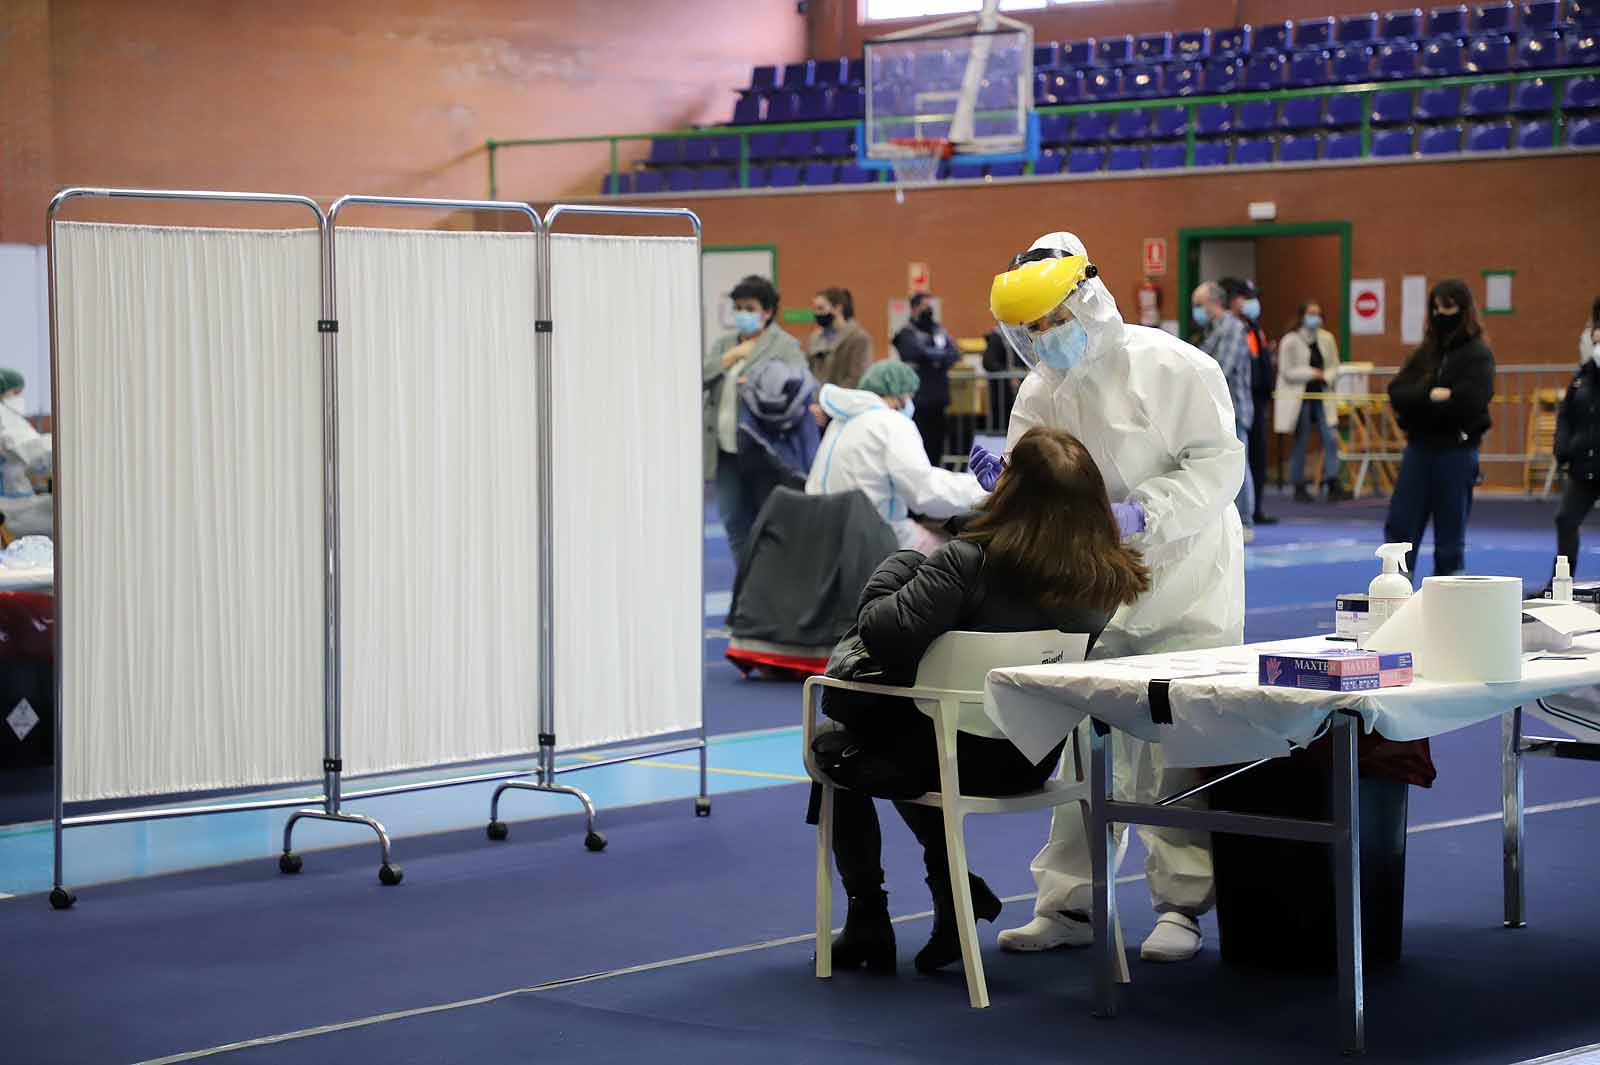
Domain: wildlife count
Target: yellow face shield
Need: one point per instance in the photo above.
(1033, 290)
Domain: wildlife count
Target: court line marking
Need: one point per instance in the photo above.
(725, 952)
(1576, 1056)
(653, 764)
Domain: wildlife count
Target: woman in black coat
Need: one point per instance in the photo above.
(1441, 399)
(1578, 443)
(1043, 552)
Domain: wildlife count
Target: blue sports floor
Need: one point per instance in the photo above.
(686, 939)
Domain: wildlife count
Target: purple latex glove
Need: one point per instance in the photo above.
(1130, 518)
(985, 465)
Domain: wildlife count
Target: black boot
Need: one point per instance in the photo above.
(1302, 494)
(1336, 492)
(944, 945)
(868, 937)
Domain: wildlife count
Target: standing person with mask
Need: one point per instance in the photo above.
(1227, 341)
(840, 350)
(1308, 361)
(1155, 415)
(926, 347)
(1578, 442)
(756, 339)
(1244, 300)
(1441, 400)
(25, 453)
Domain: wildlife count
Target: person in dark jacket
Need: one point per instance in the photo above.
(1244, 300)
(1441, 400)
(1044, 552)
(1578, 444)
(1006, 375)
(777, 435)
(926, 347)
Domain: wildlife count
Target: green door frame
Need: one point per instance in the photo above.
(1189, 238)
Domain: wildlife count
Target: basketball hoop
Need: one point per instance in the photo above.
(916, 159)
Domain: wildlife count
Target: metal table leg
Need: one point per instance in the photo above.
(1102, 850)
(1347, 884)
(1511, 813)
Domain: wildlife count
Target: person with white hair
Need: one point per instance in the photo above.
(1156, 415)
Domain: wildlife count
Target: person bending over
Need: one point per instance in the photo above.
(1043, 552)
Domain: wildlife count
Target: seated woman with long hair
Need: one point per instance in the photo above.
(1042, 552)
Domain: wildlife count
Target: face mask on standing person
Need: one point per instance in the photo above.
(748, 323)
(1312, 323)
(1445, 323)
(1251, 308)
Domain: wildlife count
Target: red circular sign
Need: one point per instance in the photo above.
(1367, 304)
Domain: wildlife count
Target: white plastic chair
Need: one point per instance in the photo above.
(949, 689)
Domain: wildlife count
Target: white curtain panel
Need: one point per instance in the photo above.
(438, 496)
(629, 616)
(188, 452)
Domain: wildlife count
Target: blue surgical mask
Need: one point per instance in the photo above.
(910, 409)
(1201, 318)
(748, 322)
(1313, 322)
(1063, 347)
(1252, 308)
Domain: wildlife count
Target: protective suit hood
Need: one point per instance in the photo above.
(847, 403)
(1092, 305)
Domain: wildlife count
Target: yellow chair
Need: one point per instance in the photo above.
(1544, 409)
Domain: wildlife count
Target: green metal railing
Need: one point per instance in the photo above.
(1365, 90)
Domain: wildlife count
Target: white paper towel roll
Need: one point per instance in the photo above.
(1459, 629)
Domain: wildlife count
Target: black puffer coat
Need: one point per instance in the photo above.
(1466, 367)
(1578, 426)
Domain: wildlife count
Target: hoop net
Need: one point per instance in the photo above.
(916, 159)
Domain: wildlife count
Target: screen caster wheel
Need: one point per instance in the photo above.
(595, 841)
(497, 830)
(61, 899)
(290, 863)
(702, 807)
(390, 875)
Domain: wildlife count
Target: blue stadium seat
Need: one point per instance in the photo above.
(616, 184)
(1343, 111)
(851, 174)
(1126, 158)
(1445, 140)
(1358, 29)
(1213, 120)
(755, 177)
(1538, 50)
(1170, 122)
(747, 110)
(1584, 12)
(1489, 138)
(1585, 133)
(1055, 129)
(1235, 40)
(682, 179)
(849, 101)
(797, 145)
(1256, 116)
(1581, 94)
(1351, 64)
(1540, 133)
(1222, 76)
(1299, 148)
(1533, 97)
(764, 78)
(1438, 105)
(696, 150)
(1153, 47)
(1192, 45)
(1487, 101)
(1540, 14)
(1077, 53)
(1448, 21)
(835, 143)
(1271, 36)
(830, 72)
(1391, 107)
(1086, 160)
(1307, 69)
(665, 151)
(782, 106)
(1046, 56)
(1402, 25)
(716, 178)
(966, 169)
(856, 72)
(1389, 143)
(648, 181)
(1114, 51)
(1442, 58)
(1397, 59)
(1185, 79)
(1342, 146)
(1057, 87)
(798, 75)
(1489, 55)
(1582, 46)
(764, 146)
(1264, 73)
(1164, 157)
(1303, 113)
(1211, 153)
(725, 149)
(1252, 151)
(1493, 18)
(1131, 125)
(813, 105)
(1007, 170)
(1312, 33)
(1090, 128)
(1103, 84)
(1143, 82)
(783, 176)
(1048, 163)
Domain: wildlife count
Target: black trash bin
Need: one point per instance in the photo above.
(1275, 898)
(27, 681)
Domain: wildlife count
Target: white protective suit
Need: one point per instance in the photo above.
(23, 451)
(877, 449)
(1156, 415)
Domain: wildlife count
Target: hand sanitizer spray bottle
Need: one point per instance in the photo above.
(1561, 585)
(1390, 589)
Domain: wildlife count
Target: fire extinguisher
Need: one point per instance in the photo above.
(1149, 303)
